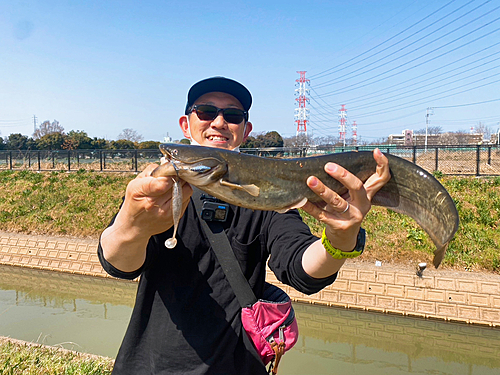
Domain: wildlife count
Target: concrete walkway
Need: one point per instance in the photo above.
(446, 295)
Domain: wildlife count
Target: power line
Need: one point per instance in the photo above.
(416, 58)
(427, 99)
(415, 66)
(469, 104)
(315, 76)
(385, 91)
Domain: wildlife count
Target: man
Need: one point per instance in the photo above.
(186, 318)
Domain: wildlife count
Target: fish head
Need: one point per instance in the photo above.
(195, 164)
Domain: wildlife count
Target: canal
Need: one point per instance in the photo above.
(90, 314)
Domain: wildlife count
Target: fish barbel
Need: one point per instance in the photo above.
(280, 184)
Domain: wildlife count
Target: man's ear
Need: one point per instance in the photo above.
(184, 124)
(248, 130)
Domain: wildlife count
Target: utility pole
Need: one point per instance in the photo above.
(430, 111)
(34, 124)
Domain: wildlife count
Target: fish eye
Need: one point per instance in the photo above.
(174, 152)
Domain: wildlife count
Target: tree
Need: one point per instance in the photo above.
(129, 134)
(46, 128)
(17, 141)
(149, 145)
(99, 143)
(486, 131)
(269, 139)
(185, 141)
(434, 130)
(51, 141)
(455, 138)
(77, 140)
(122, 144)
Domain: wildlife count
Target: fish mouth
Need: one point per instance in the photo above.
(199, 168)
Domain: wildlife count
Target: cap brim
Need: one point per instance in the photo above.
(220, 84)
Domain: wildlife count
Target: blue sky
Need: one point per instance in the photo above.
(103, 66)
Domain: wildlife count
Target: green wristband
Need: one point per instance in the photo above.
(339, 254)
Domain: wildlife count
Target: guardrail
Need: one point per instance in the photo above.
(476, 160)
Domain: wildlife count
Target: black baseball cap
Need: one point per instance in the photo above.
(219, 84)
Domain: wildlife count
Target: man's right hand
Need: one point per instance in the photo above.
(146, 211)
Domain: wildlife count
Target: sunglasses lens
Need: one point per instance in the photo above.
(206, 112)
(234, 116)
(210, 112)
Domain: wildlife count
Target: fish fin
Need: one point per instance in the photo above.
(439, 255)
(299, 204)
(253, 190)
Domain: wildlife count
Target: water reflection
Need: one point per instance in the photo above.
(87, 314)
(91, 314)
(335, 341)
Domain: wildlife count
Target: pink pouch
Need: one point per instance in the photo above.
(271, 325)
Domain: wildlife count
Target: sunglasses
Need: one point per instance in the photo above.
(206, 112)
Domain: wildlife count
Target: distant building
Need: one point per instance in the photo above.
(409, 138)
(167, 139)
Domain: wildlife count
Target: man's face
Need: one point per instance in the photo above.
(216, 133)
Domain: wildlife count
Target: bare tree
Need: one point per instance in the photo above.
(129, 134)
(46, 128)
(434, 130)
(483, 129)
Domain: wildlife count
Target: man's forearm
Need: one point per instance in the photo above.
(318, 263)
(124, 246)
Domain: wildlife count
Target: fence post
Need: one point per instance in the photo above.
(69, 161)
(100, 160)
(478, 159)
(437, 159)
(53, 160)
(10, 162)
(135, 161)
(489, 155)
(29, 159)
(39, 164)
(414, 154)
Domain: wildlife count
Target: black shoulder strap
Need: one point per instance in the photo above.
(225, 255)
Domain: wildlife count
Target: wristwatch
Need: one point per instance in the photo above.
(339, 254)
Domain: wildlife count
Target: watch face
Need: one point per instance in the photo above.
(360, 243)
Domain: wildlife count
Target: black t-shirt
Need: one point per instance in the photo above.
(186, 318)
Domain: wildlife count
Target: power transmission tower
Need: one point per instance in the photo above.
(342, 122)
(302, 112)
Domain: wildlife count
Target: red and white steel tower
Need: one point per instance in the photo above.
(354, 133)
(342, 121)
(302, 113)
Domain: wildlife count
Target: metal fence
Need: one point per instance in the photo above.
(480, 160)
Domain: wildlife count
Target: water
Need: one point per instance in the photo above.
(91, 314)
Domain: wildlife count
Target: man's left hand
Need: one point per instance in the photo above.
(343, 215)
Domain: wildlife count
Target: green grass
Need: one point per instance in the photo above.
(59, 203)
(17, 358)
(82, 203)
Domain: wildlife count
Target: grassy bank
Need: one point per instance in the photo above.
(18, 358)
(82, 203)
